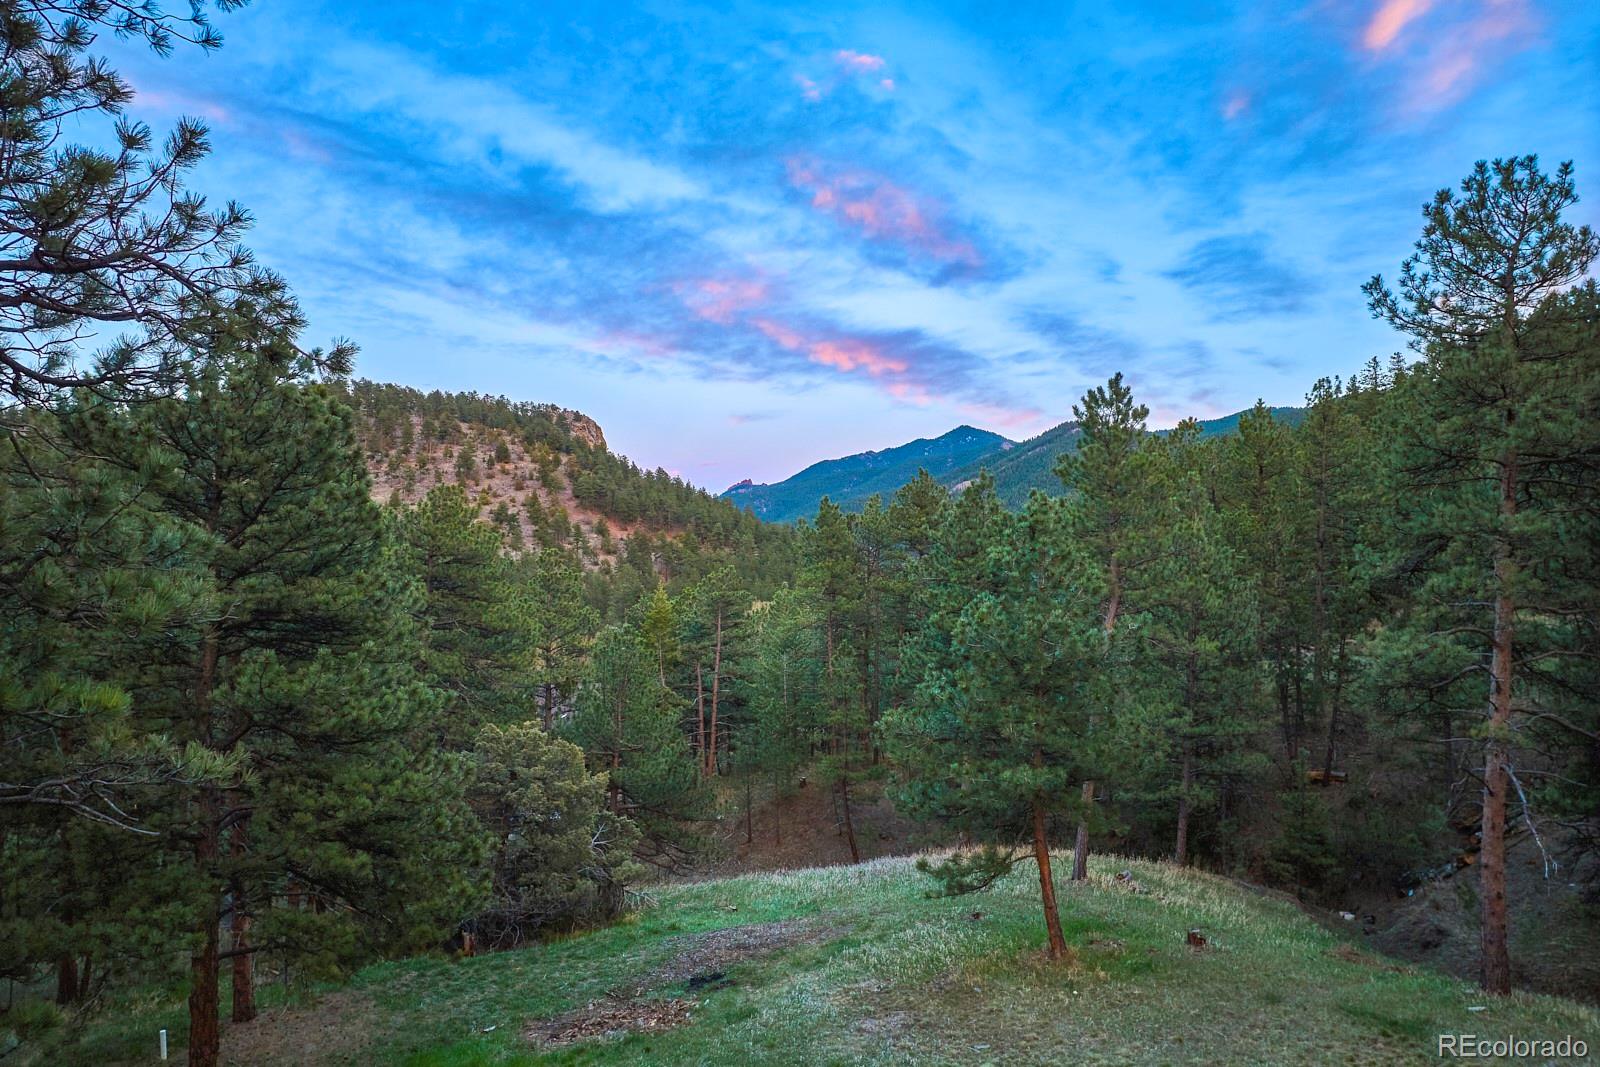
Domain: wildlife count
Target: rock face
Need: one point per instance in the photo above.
(583, 428)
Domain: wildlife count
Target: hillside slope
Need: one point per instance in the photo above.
(956, 458)
(851, 480)
(1031, 465)
(856, 965)
(544, 476)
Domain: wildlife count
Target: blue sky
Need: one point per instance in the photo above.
(745, 238)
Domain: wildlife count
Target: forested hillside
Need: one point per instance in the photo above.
(1032, 463)
(850, 481)
(543, 477)
(954, 460)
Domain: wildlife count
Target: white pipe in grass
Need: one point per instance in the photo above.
(163, 1044)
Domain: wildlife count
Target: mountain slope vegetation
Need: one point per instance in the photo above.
(1032, 464)
(543, 476)
(954, 460)
(850, 480)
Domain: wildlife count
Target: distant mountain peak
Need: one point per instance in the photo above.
(850, 481)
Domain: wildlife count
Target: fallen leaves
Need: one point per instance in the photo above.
(612, 1018)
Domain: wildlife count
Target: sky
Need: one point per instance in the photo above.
(744, 238)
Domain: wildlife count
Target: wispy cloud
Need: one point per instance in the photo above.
(1451, 48)
(881, 210)
(721, 299)
(1390, 20)
(858, 62)
(542, 213)
(848, 66)
(1240, 277)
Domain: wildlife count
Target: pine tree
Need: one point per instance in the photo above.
(658, 627)
(1194, 660)
(832, 581)
(1265, 509)
(1009, 666)
(718, 607)
(564, 625)
(91, 577)
(1495, 438)
(1111, 496)
(477, 615)
(784, 680)
(626, 722)
(103, 238)
(302, 666)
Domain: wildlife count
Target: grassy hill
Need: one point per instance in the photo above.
(851, 480)
(854, 965)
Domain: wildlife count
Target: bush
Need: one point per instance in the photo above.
(560, 858)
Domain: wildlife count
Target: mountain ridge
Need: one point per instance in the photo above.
(1018, 468)
(851, 480)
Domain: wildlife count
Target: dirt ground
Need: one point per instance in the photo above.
(334, 1029)
(804, 829)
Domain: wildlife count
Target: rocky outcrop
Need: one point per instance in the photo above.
(583, 428)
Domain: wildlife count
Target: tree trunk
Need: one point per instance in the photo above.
(1047, 883)
(244, 970)
(716, 688)
(205, 1035)
(849, 824)
(67, 979)
(1496, 962)
(1180, 854)
(1080, 847)
(1333, 716)
(1291, 744)
(700, 715)
(1114, 599)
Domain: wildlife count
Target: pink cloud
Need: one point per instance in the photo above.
(880, 209)
(849, 355)
(889, 365)
(841, 353)
(780, 333)
(847, 64)
(858, 62)
(721, 300)
(1443, 68)
(1236, 104)
(1389, 20)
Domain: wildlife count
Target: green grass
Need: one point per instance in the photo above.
(894, 977)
